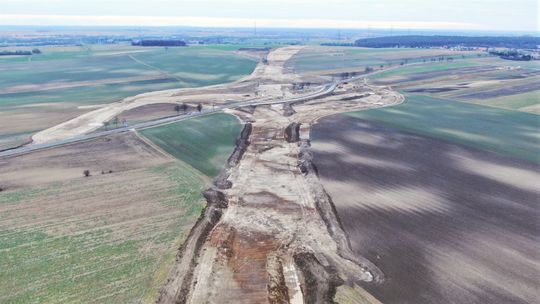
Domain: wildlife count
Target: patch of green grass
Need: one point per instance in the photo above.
(424, 68)
(205, 143)
(515, 102)
(331, 58)
(119, 63)
(87, 95)
(502, 131)
(15, 139)
(14, 197)
(198, 66)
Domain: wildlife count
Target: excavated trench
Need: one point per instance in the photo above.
(270, 232)
(242, 249)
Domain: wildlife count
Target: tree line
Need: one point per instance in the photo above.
(159, 43)
(20, 53)
(512, 55)
(416, 41)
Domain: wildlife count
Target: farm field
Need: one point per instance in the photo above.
(65, 82)
(204, 143)
(107, 238)
(445, 223)
(326, 59)
(485, 81)
(470, 77)
(104, 239)
(502, 131)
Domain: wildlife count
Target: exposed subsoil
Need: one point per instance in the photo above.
(277, 239)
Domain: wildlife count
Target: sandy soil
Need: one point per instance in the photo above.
(533, 109)
(445, 223)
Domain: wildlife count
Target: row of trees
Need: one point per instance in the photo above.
(183, 107)
(117, 121)
(415, 41)
(158, 43)
(20, 53)
(512, 55)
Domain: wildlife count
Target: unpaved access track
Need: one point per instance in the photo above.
(270, 233)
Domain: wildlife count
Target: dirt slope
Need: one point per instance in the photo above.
(270, 234)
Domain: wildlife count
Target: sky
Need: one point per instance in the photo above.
(496, 15)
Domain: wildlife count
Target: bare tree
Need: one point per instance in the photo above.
(184, 107)
(116, 121)
(86, 173)
(199, 107)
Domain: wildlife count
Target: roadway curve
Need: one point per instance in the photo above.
(326, 90)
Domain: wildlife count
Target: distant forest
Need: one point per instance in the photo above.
(20, 53)
(159, 43)
(523, 42)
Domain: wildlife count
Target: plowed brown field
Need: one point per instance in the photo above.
(445, 223)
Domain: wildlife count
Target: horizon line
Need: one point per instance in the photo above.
(163, 21)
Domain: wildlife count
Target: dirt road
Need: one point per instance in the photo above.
(270, 234)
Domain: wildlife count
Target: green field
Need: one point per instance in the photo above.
(517, 101)
(488, 81)
(204, 143)
(502, 131)
(424, 68)
(109, 238)
(330, 58)
(104, 239)
(179, 67)
(43, 90)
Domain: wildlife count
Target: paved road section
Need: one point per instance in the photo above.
(326, 90)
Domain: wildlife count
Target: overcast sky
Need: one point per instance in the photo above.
(448, 14)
